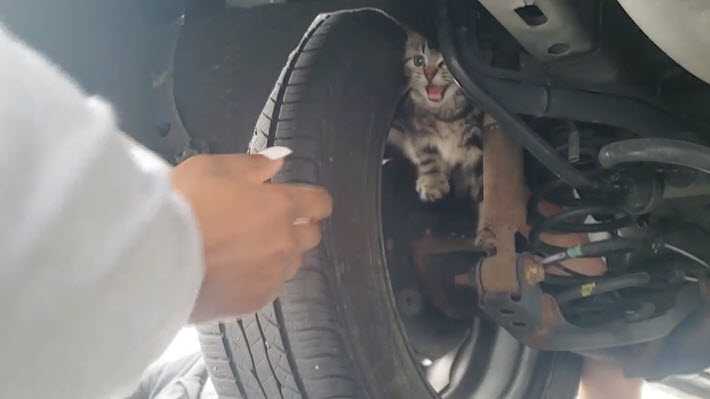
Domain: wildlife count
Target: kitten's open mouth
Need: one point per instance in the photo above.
(435, 93)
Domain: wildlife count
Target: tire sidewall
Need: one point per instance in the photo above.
(349, 97)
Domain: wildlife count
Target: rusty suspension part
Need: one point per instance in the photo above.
(507, 282)
(502, 211)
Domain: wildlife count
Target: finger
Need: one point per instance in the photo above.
(564, 240)
(293, 267)
(307, 236)
(257, 168)
(586, 266)
(548, 208)
(260, 168)
(309, 202)
(268, 162)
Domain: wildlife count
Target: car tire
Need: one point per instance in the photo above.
(335, 331)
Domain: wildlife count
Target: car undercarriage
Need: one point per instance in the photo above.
(594, 108)
(610, 173)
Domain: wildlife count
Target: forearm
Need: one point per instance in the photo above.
(101, 259)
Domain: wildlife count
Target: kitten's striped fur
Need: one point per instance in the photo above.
(439, 137)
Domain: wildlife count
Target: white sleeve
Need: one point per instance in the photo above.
(100, 261)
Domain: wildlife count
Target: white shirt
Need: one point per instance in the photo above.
(100, 261)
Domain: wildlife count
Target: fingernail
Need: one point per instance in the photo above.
(301, 221)
(276, 152)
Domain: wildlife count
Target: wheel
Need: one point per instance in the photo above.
(337, 330)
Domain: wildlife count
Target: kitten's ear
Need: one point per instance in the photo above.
(415, 41)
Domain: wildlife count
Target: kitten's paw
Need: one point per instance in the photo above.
(432, 187)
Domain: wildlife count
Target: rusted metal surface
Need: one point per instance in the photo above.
(534, 272)
(503, 210)
(535, 317)
(441, 282)
(507, 283)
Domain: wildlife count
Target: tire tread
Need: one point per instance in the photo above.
(276, 357)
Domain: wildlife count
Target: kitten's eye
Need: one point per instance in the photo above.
(418, 60)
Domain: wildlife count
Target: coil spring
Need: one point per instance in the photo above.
(572, 219)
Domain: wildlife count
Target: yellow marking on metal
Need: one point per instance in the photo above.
(586, 289)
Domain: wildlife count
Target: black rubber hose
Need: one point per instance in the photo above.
(512, 124)
(629, 113)
(658, 150)
(602, 286)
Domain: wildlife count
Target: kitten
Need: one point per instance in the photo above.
(436, 128)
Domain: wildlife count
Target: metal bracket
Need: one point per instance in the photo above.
(548, 29)
(534, 317)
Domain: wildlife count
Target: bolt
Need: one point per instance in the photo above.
(467, 279)
(534, 272)
(643, 312)
(410, 302)
(633, 316)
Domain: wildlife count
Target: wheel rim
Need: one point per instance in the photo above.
(459, 359)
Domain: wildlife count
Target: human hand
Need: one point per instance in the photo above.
(254, 233)
(602, 379)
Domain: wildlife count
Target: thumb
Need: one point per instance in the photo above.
(267, 163)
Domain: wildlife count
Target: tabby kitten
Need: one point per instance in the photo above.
(436, 127)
